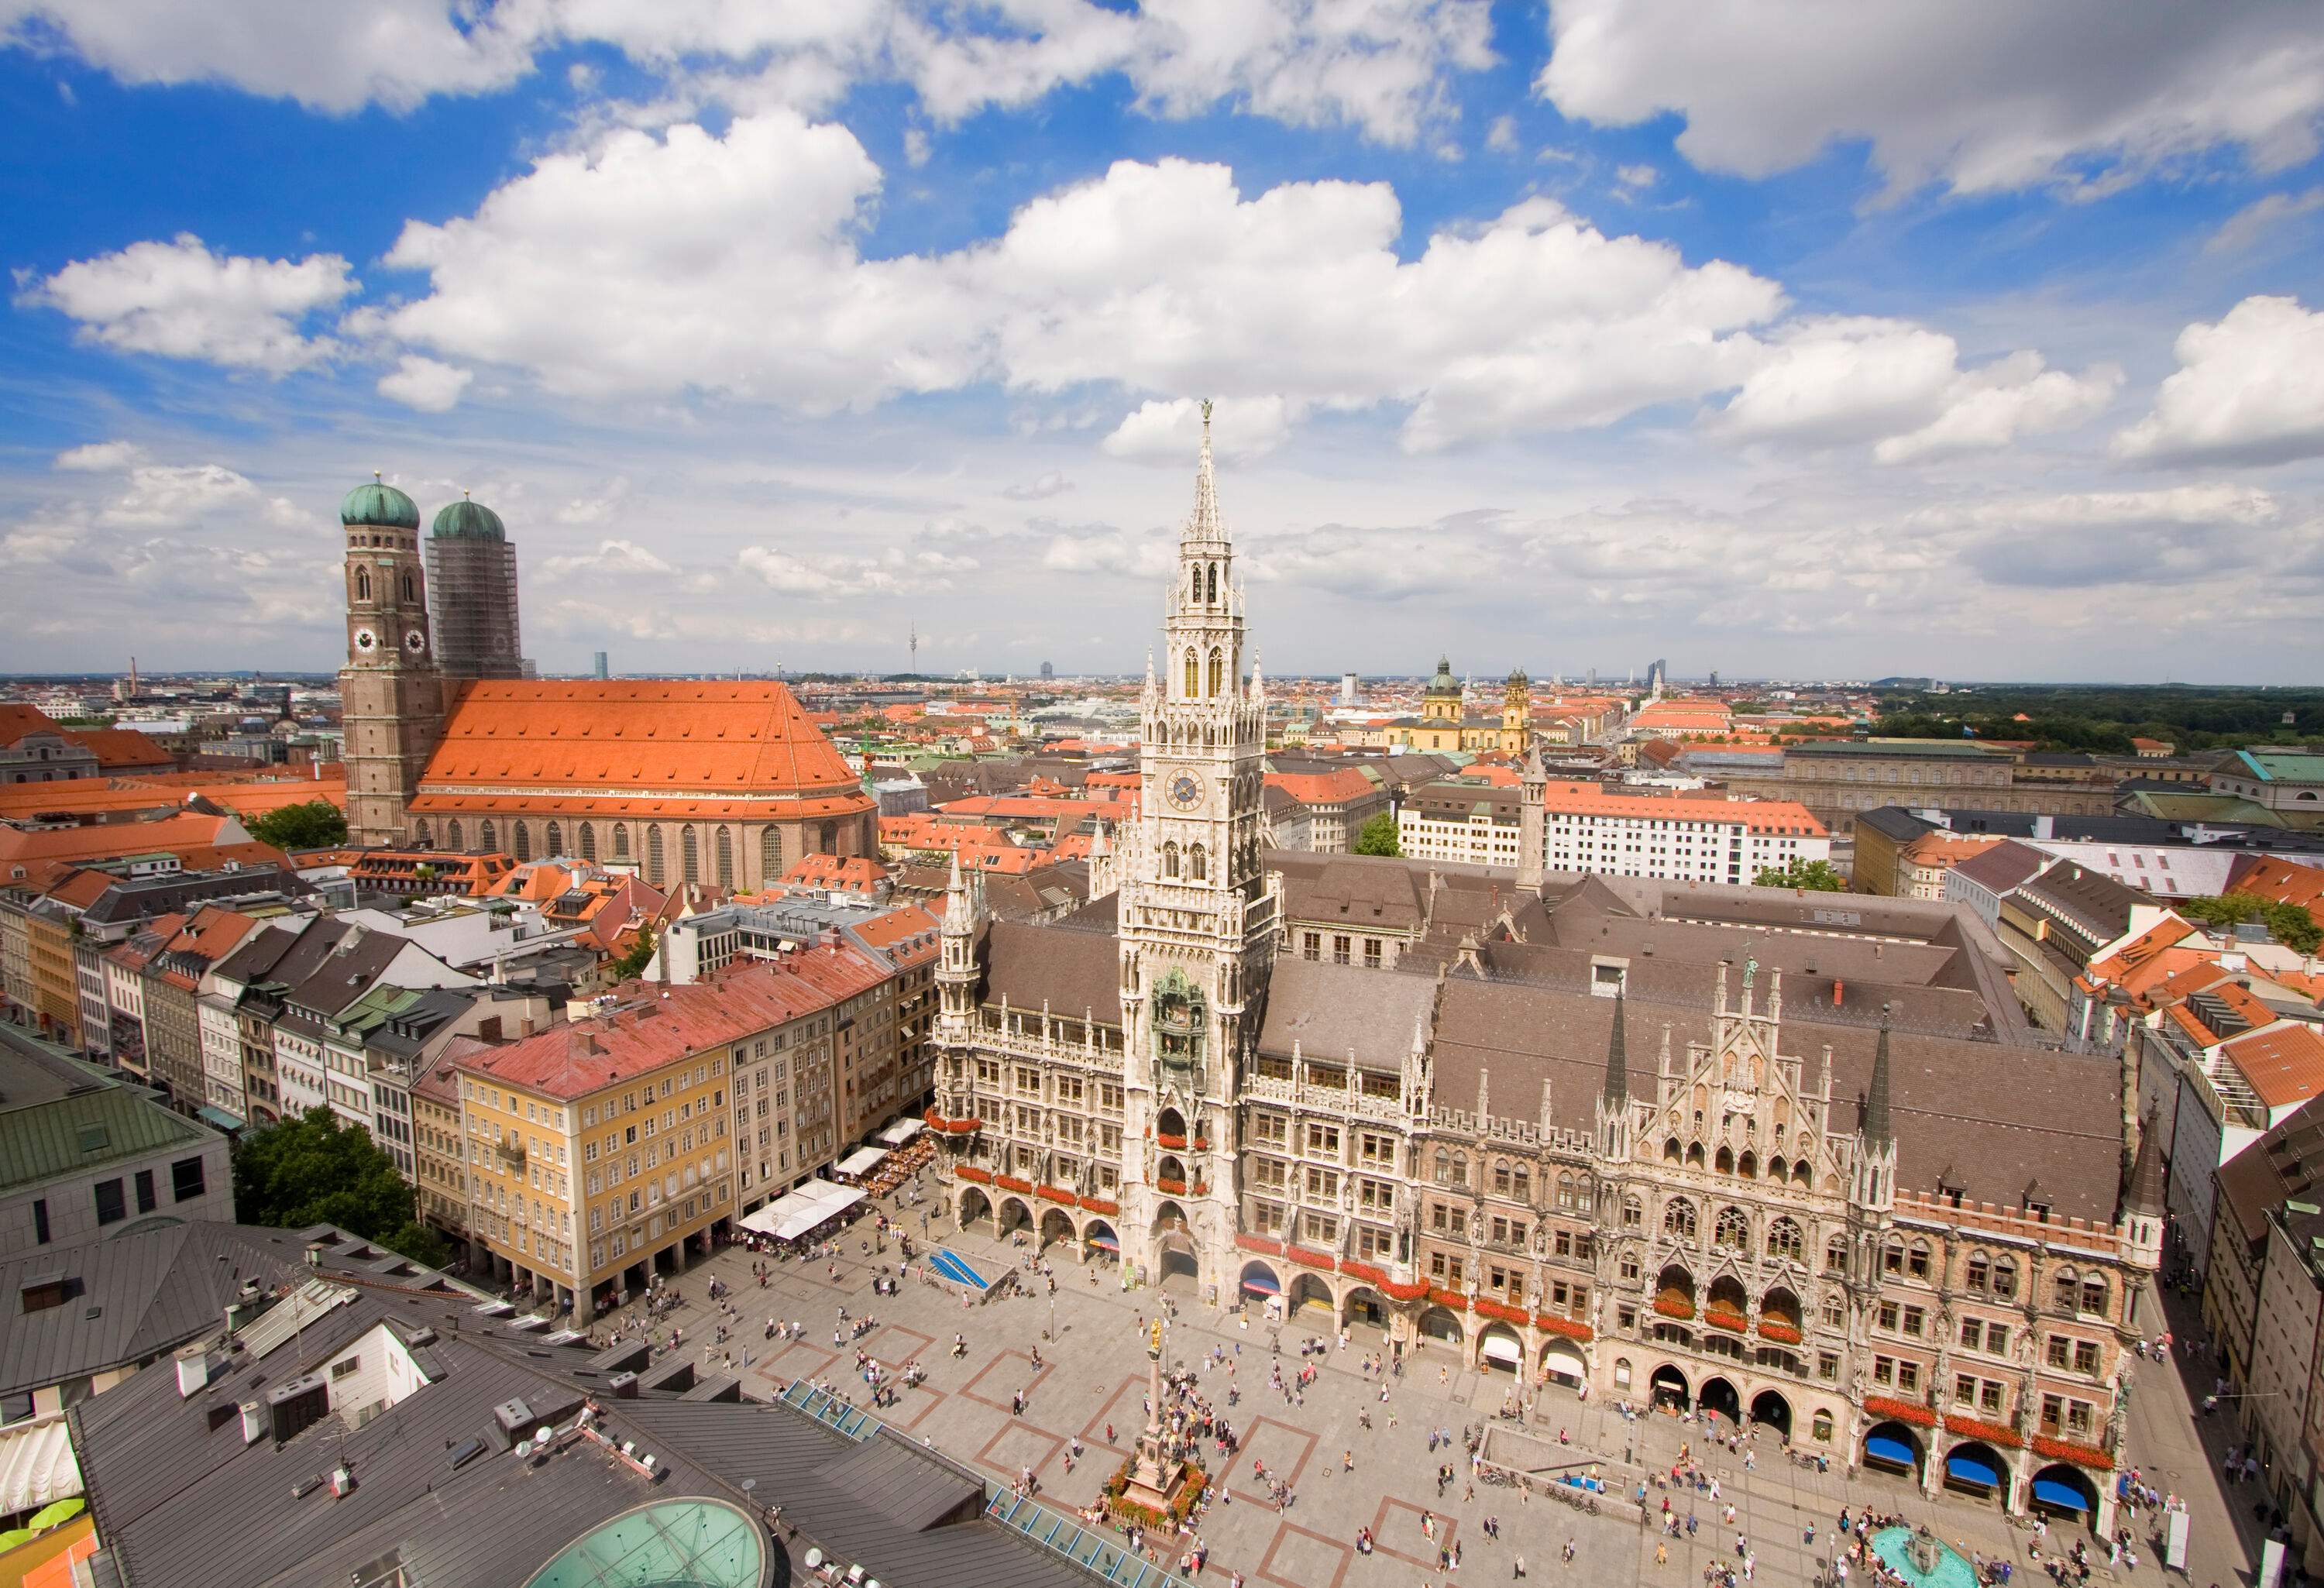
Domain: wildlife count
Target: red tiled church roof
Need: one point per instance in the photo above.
(662, 748)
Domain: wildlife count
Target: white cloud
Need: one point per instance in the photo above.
(1501, 137)
(99, 457)
(1168, 432)
(895, 571)
(1385, 67)
(598, 506)
(656, 264)
(688, 262)
(1052, 483)
(1637, 176)
(623, 557)
(1978, 95)
(1100, 548)
(1986, 409)
(179, 300)
(327, 57)
(916, 146)
(1841, 381)
(169, 493)
(2247, 226)
(425, 384)
(2249, 389)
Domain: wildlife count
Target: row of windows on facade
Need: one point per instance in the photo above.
(825, 835)
(187, 1180)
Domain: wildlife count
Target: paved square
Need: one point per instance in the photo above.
(1092, 1336)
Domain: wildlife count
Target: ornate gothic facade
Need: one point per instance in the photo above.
(1569, 1130)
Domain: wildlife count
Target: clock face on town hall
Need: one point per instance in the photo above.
(1185, 790)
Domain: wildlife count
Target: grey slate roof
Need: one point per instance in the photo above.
(134, 1297)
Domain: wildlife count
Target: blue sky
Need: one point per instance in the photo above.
(1928, 337)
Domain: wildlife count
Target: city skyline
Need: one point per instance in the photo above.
(1528, 344)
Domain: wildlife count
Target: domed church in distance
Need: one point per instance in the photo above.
(448, 747)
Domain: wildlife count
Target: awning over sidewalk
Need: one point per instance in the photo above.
(902, 1132)
(861, 1161)
(802, 1209)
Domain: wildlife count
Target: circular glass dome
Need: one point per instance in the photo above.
(677, 1544)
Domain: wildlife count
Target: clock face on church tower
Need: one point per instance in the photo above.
(1185, 791)
(367, 642)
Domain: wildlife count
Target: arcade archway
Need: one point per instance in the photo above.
(1439, 1324)
(1717, 1395)
(975, 1205)
(1893, 1447)
(1499, 1348)
(1975, 1468)
(1667, 1387)
(1770, 1409)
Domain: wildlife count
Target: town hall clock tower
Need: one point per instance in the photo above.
(1198, 918)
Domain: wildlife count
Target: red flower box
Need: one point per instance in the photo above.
(1171, 1187)
(1734, 1323)
(2081, 1456)
(969, 1171)
(1011, 1183)
(1568, 1327)
(1396, 1291)
(963, 1127)
(1452, 1298)
(1974, 1428)
(1501, 1310)
(1776, 1329)
(1202, 1188)
(1099, 1205)
(1201, 1143)
(1173, 1143)
(1675, 1306)
(1314, 1260)
(1053, 1194)
(1364, 1272)
(1259, 1243)
(1903, 1411)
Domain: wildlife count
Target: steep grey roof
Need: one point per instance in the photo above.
(1989, 1117)
(134, 1297)
(1071, 971)
(1331, 1011)
(2003, 867)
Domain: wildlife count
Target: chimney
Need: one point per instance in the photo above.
(254, 1422)
(488, 1029)
(1837, 988)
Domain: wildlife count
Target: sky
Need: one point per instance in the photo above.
(1960, 338)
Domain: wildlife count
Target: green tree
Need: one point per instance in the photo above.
(1815, 875)
(1379, 837)
(2291, 925)
(633, 963)
(315, 1170)
(316, 823)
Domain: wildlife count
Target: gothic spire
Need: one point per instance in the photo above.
(1877, 1129)
(1618, 1060)
(1203, 524)
(2145, 1194)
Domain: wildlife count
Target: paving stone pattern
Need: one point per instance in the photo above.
(1094, 1372)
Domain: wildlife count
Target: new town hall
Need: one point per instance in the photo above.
(1795, 1157)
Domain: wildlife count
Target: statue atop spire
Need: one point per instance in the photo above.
(1203, 524)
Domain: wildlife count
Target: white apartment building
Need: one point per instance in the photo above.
(1590, 828)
